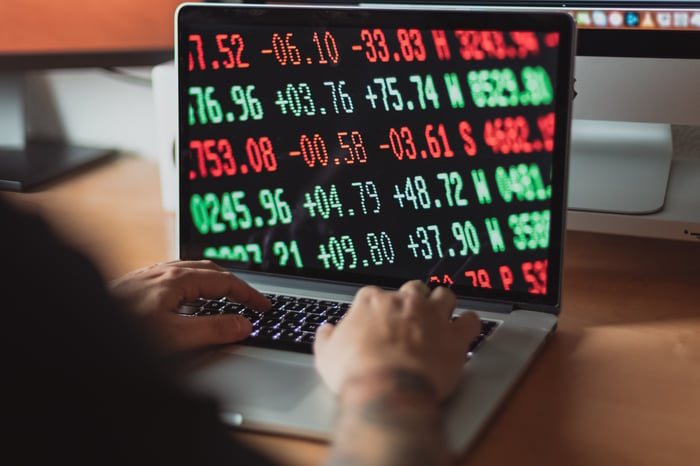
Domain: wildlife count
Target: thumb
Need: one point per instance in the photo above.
(323, 333)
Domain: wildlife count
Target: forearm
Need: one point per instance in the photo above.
(389, 418)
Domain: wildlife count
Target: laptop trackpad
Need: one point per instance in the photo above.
(250, 381)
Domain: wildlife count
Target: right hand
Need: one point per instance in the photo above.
(408, 329)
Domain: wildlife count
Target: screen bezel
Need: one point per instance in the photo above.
(392, 18)
(594, 42)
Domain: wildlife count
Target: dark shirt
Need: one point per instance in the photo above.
(84, 384)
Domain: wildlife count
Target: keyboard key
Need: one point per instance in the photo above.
(314, 319)
(268, 321)
(189, 309)
(294, 306)
(336, 311)
(289, 335)
(315, 309)
(294, 316)
(268, 332)
(250, 314)
(308, 301)
(488, 326)
(309, 327)
(288, 325)
(230, 308)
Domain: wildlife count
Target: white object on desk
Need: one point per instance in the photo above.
(164, 80)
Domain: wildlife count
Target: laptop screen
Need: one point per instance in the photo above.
(376, 146)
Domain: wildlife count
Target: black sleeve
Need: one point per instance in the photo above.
(84, 386)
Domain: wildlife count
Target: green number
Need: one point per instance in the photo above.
(227, 212)
(199, 214)
(213, 106)
(268, 203)
(211, 200)
(246, 221)
(283, 209)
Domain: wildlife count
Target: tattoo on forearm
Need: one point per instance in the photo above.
(391, 418)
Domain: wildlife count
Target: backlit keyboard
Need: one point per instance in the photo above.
(291, 322)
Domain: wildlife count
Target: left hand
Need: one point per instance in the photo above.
(154, 293)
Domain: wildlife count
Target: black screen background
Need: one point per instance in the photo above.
(382, 166)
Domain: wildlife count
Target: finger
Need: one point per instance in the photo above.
(416, 287)
(465, 328)
(206, 283)
(200, 264)
(214, 330)
(444, 300)
(323, 334)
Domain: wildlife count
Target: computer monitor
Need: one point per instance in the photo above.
(637, 73)
(40, 35)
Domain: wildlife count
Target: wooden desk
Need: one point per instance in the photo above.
(619, 383)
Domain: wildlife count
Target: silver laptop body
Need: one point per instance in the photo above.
(324, 148)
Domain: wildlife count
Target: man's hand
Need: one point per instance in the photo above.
(154, 293)
(391, 360)
(409, 329)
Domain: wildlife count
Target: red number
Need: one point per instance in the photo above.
(260, 154)
(197, 40)
(399, 139)
(231, 62)
(236, 42)
(357, 149)
(434, 143)
(551, 39)
(203, 153)
(469, 45)
(535, 273)
(268, 155)
(343, 145)
(312, 151)
(293, 50)
(527, 43)
(506, 135)
(546, 125)
(443, 135)
(370, 51)
(285, 50)
(396, 145)
(229, 164)
(493, 43)
(419, 48)
(411, 43)
(480, 278)
(405, 44)
(383, 52)
(197, 152)
(217, 169)
(465, 130)
(331, 47)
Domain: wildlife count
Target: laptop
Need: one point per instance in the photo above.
(325, 148)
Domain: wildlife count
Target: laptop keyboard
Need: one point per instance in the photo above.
(291, 322)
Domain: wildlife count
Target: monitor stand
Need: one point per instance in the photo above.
(26, 164)
(619, 167)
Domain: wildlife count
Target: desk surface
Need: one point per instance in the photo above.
(618, 384)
